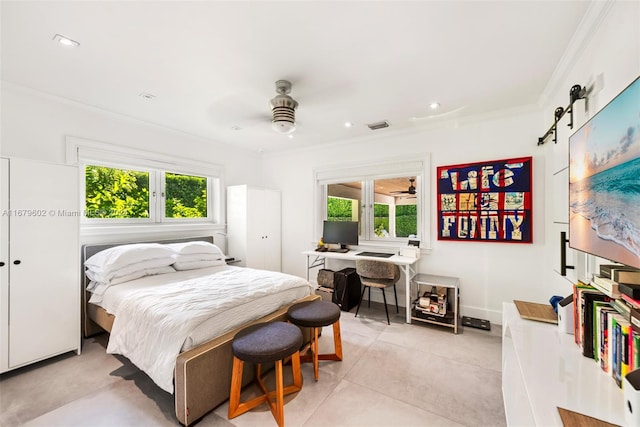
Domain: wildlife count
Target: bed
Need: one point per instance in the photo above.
(202, 369)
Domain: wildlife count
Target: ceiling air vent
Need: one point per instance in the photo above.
(378, 125)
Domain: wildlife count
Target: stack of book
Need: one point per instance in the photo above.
(612, 275)
(607, 319)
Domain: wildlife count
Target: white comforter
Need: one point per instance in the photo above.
(152, 324)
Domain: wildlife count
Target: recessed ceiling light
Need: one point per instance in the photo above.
(65, 41)
(290, 136)
(348, 124)
(434, 105)
(146, 95)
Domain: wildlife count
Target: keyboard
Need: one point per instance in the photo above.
(376, 254)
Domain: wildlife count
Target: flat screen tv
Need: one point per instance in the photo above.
(604, 181)
(342, 233)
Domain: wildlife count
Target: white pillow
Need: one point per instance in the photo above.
(196, 257)
(192, 265)
(99, 275)
(197, 247)
(98, 288)
(121, 256)
(141, 273)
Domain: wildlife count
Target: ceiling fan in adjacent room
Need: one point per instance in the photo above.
(410, 190)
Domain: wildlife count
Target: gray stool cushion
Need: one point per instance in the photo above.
(314, 314)
(267, 342)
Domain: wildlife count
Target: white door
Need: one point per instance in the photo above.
(44, 306)
(272, 230)
(255, 229)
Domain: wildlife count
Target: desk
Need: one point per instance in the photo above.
(406, 264)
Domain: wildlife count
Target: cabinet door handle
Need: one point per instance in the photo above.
(1, 263)
(17, 262)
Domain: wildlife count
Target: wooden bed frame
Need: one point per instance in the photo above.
(202, 376)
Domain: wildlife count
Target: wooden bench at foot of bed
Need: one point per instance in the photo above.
(203, 374)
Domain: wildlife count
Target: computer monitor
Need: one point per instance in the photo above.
(342, 233)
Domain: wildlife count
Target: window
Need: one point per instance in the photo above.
(121, 186)
(394, 213)
(116, 193)
(387, 200)
(185, 196)
(134, 195)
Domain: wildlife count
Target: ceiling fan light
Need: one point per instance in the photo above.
(283, 126)
(283, 109)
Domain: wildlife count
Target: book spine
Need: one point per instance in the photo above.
(626, 276)
(607, 286)
(603, 331)
(604, 354)
(617, 355)
(596, 332)
(630, 347)
(609, 343)
(624, 361)
(576, 329)
(636, 350)
(622, 308)
(632, 302)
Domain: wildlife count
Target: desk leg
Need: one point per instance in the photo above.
(407, 291)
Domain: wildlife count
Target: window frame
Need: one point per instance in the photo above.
(163, 192)
(83, 195)
(82, 152)
(367, 173)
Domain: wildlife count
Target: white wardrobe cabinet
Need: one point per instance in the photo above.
(39, 258)
(253, 226)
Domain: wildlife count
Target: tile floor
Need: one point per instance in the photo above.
(391, 375)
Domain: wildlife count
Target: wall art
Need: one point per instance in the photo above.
(486, 201)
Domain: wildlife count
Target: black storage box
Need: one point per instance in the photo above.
(346, 288)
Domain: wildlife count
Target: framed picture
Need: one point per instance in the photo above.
(486, 201)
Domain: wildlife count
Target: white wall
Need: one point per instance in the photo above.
(605, 61)
(489, 272)
(605, 54)
(34, 126)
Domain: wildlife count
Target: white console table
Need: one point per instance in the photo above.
(316, 259)
(543, 368)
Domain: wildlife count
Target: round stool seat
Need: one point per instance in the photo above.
(314, 314)
(267, 342)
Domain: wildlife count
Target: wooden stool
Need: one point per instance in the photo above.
(315, 315)
(264, 343)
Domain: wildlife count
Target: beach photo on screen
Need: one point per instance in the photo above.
(604, 181)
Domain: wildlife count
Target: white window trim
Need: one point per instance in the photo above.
(80, 151)
(418, 165)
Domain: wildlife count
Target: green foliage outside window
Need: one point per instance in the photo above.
(381, 220)
(186, 196)
(339, 209)
(121, 193)
(116, 193)
(406, 220)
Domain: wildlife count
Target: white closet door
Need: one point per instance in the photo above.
(272, 230)
(256, 210)
(44, 306)
(4, 265)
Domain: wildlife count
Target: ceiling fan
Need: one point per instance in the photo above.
(410, 190)
(244, 109)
